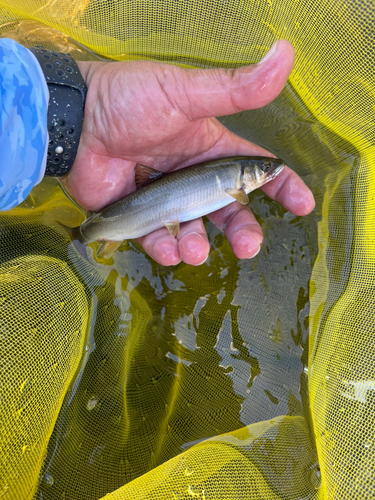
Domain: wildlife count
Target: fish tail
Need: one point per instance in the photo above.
(74, 233)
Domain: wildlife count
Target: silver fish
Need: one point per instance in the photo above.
(166, 200)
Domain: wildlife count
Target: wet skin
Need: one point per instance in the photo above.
(163, 116)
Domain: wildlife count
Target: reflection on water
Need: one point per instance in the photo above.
(30, 33)
(187, 353)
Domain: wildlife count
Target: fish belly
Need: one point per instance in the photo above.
(177, 200)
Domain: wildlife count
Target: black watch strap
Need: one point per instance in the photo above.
(67, 91)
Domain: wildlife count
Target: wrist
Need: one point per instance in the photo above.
(88, 69)
(67, 94)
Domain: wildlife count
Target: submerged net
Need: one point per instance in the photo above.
(234, 380)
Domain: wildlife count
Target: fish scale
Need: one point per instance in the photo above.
(179, 196)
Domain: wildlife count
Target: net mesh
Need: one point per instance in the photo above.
(237, 379)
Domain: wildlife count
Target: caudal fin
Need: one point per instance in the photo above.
(73, 232)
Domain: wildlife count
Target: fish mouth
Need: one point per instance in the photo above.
(274, 171)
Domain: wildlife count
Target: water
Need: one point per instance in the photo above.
(176, 356)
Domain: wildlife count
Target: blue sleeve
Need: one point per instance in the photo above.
(23, 123)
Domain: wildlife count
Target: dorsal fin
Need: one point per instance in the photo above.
(144, 175)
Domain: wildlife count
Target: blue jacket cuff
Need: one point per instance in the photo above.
(23, 123)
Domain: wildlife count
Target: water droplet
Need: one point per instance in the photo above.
(194, 491)
(92, 403)
(25, 385)
(315, 476)
(48, 479)
(4, 490)
(188, 471)
(87, 347)
(367, 444)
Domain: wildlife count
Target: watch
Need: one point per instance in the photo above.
(67, 95)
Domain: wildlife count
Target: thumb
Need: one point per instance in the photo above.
(218, 92)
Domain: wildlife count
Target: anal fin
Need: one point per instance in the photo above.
(239, 195)
(173, 228)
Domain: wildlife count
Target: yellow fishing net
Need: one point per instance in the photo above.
(234, 380)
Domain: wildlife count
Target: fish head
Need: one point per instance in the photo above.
(260, 170)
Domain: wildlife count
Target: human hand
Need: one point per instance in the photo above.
(163, 116)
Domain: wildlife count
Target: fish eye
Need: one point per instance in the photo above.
(265, 166)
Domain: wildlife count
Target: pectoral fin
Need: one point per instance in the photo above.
(144, 175)
(107, 248)
(239, 195)
(173, 228)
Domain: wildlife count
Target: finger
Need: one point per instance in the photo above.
(218, 92)
(193, 243)
(161, 247)
(241, 229)
(289, 189)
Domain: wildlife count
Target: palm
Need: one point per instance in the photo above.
(142, 124)
(163, 116)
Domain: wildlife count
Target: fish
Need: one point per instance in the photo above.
(168, 199)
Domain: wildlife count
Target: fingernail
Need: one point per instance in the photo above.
(256, 253)
(270, 53)
(203, 261)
